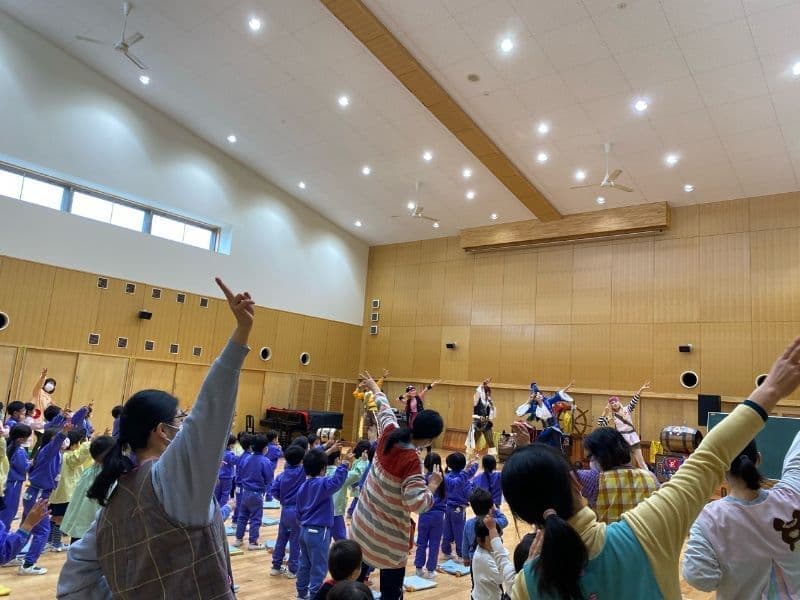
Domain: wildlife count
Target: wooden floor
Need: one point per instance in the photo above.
(251, 572)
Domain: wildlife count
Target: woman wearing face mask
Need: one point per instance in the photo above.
(160, 532)
(41, 398)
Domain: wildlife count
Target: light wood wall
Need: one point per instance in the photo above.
(608, 314)
(53, 310)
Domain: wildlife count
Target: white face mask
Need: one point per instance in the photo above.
(49, 387)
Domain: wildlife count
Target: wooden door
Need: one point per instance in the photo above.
(101, 381)
(188, 379)
(8, 357)
(151, 375)
(60, 366)
(278, 391)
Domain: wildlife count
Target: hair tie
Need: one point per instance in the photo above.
(549, 513)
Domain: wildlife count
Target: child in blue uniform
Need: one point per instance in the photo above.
(245, 440)
(255, 478)
(480, 500)
(17, 473)
(227, 469)
(274, 453)
(15, 412)
(458, 486)
(431, 523)
(285, 488)
(489, 480)
(315, 514)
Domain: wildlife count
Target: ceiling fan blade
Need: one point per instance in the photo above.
(614, 174)
(83, 38)
(624, 188)
(580, 187)
(136, 61)
(135, 38)
(126, 10)
(428, 218)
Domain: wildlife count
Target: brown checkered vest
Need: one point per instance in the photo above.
(145, 554)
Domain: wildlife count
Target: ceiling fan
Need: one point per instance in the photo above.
(610, 180)
(416, 211)
(124, 44)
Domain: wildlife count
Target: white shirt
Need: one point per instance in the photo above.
(490, 570)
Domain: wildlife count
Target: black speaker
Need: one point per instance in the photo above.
(707, 403)
(145, 314)
(685, 348)
(450, 345)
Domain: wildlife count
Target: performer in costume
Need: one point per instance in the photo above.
(367, 398)
(413, 401)
(618, 416)
(483, 412)
(547, 410)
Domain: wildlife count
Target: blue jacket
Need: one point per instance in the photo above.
(256, 475)
(78, 419)
(241, 463)
(18, 465)
(46, 468)
(287, 484)
(274, 452)
(458, 486)
(315, 498)
(11, 543)
(228, 467)
(439, 503)
(491, 483)
(468, 540)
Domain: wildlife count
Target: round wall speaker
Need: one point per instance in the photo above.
(689, 379)
(265, 353)
(761, 379)
(305, 358)
(4, 321)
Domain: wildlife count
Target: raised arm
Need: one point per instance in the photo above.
(637, 396)
(38, 387)
(427, 388)
(185, 475)
(791, 466)
(385, 415)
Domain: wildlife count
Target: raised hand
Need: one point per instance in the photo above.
(369, 382)
(44, 372)
(490, 523)
(536, 545)
(645, 386)
(385, 373)
(35, 514)
(782, 380)
(243, 308)
(435, 479)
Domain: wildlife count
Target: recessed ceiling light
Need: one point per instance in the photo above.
(436, 224)
(671, 159)
(145, 79)
(466, 173)
(796, 69)
(493, 216)
(232, 139)
(580, 175)
(343, 101)
(411, 206)
(302, 185)
(427, 155)
(254, 23)
(470, 194)
(365, 170)
(601, 200)
(542, 157)
(688, 188)
(640, 105)
(358, 223)
(543, 128)
(507, 45)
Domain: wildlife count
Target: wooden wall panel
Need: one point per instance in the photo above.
(352, 413)
(338, 351)
(591, 283)
(727, 358)
(380, 286)
(430, 293)
(8, 357)
(775, 212)
(554, 285)
(769, 342)
(100, 380)
(775, 274)
(383, 256)
(197, 328)
(552, 353)
(657, 413)
(668, 363)
(516, 354)
(455, 251)
(408, 253)
(264, 333)
(248, 400)
(162, 328)
(354, 350)
(117, 316)
(151, 374)
(25, 292)
(631, 356)
(458, 278)
(376, 350)
(289, 343)
(589, 355)
(434, 250)
(684, 223)
(454, 364)
(724, 217)
(677, 280)
(632, 281)
(427, 352)
(315, 340)
(279, 390)
(188, 379)
(487, 290)
(401, 352)
(60, 366)
(404, 301)
(725, 277)
(484, 354)
(519, 288)
(68, 328)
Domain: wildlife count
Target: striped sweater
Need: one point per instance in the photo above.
(395, 487)
(623, 421)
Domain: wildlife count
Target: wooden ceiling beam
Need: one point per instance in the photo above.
(602, 223)
(371, 32)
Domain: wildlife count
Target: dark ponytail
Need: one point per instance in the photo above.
(534, 479)
(18, 434)
(430, 460)
(745, 467)
(142, 413)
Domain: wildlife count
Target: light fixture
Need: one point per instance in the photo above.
(580, 175)
(640, 105)
(688, 188)
(343, 101)
(542, 157)
(254, 23)
(796, 69)
(601, 200)
(543, 128)
(470, 195)
(365, 170)
(466, 173)
(507, 45)
(671, 159)
(493, 216)
(144, 79)
(411, 206)
(232, 139)
(427, 155)
(358, 223)
(436, 224)
(302, 185)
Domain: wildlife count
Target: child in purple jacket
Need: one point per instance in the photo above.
(458, 486)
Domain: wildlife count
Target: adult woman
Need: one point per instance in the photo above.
(412, 401)
(160, 533)
(483, 412)
(738, 546)
(370, 423)
(620, 486)
(638, 556)
(42, 398)
(620, 417)
(395, 487)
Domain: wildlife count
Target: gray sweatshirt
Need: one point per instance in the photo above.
(183, 477)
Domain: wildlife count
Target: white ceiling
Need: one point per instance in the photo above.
(717, 75)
